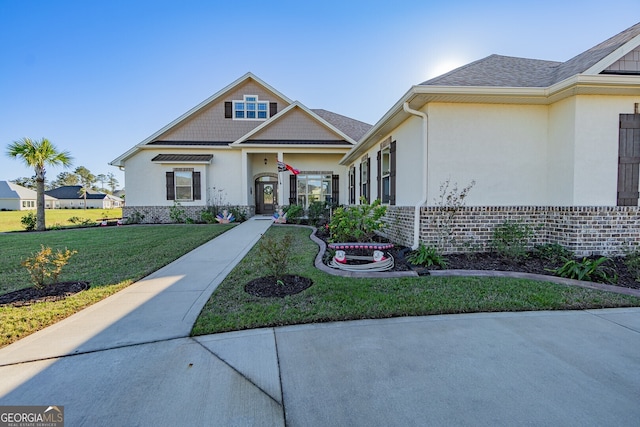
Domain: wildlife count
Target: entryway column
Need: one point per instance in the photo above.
(280, 183)
(244, 194)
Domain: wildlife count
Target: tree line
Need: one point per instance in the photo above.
(106, 183)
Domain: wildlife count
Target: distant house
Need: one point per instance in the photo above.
(14, 197)
(71, 197)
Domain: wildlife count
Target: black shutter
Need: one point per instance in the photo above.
(228, 109)
(352, 185)
(392, 173)
(335, 190)
(368, 195)
(360, 181)
(196, 186)
(293, 190)
(379, 175)
(171, 189)
(273, 109)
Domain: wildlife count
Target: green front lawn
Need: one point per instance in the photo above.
(110, 258)
(10, 220)
(334, 298)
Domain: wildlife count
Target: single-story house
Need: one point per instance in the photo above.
(227, 151)
(14, 197)
(553, 144)
(71, 197)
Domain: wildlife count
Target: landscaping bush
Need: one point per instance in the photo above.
(318, 213)
(358, 223)
(552, 252)
(632, 262)
(294, 213)
(511, 238)
(29, 221)
(427, 256)
(274, 254)
(592, 270)
(44, 265)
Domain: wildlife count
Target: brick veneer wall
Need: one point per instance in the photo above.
(605, 230)
(162, 214)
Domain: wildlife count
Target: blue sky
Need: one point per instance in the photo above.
(98, 76)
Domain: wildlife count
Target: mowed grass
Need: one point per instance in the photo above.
(334, 298)
(10, 220)
(110, 258)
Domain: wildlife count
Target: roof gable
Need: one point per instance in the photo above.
(9, 190)
(296, 124)
(73, 192)
(195, 124)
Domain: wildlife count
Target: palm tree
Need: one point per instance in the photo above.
(38, 154)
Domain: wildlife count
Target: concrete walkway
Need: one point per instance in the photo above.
(129, 361)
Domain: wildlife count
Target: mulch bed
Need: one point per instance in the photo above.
(269, 286)
(53, 292)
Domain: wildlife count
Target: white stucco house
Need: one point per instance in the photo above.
(553, 144)
(226, 151)
(14, 197)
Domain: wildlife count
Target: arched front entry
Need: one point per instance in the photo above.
(266, 195)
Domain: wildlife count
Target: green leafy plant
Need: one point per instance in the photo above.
(358, 223)
(294, 213)
(632, 262)
(427, 256)
(552, 252)
(274, 254)
(177, 213)
(29, 221)
(511, 238)
(591, 270)
(240, 214)
(44, 264)
(207, 216)
(318, 212)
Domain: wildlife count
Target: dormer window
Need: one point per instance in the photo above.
(250, 108)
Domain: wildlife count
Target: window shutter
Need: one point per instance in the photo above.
(392, 173)
(379, 175)
(171, 189)
(335, 190)
(368, 195)
(196, 186)
(352, 185)
(293, 189)
(360, 178)
(273, 109)
(228, 109)
(628, 160)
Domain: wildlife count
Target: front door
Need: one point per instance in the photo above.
(266, 197)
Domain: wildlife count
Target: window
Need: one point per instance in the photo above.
(385, 174)
(183, 185)
(250, 108)
(365, 178)
(313, 187)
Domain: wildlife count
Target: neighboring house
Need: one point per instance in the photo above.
(14, 197)
(553, 144)
(226, 150)
(71, 197)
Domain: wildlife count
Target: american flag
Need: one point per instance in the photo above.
(282, 167)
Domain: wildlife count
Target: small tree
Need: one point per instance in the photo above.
(449, 203)
(275, 255)
(44, 265)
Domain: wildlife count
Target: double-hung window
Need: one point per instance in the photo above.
(183, 185)
(385, 174)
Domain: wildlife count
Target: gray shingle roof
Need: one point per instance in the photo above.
(73, 192)
(354, 129)
(507, 71)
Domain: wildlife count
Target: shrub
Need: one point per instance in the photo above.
(427, 256)
(135, 218)
(275, 254)
(358, 223)
(552, 252)
(592, 270)
(511, 238)
(240, 214)
(207, 216)
(44, 265)
(632, 261)
(81, 221)
(451, 202)
(317, 213)
(294, 213)
(177, 213)
(29, 221)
